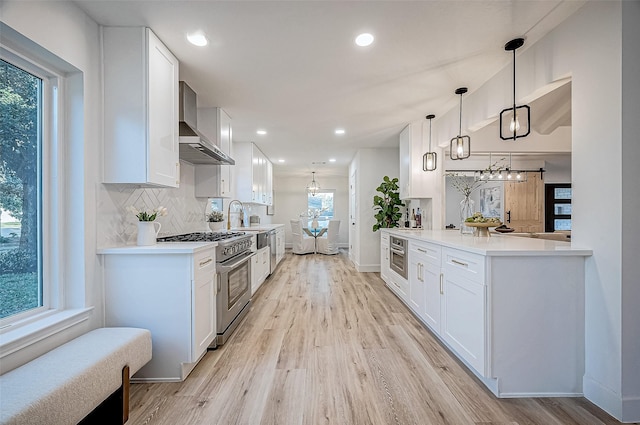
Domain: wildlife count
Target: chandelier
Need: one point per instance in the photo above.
(313, 188)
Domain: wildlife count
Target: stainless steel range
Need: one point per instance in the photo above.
(233, 276)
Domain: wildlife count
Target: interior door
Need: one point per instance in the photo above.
(524, 204)
(352, 216)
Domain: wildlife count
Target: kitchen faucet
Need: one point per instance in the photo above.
(229, 214)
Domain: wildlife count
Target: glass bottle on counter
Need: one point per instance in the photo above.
(418, 218)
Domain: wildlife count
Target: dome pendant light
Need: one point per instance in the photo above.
(313, 187)
(460, 146)
(430, 159)
(515, 121)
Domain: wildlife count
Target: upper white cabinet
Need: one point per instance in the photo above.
(214, 181)
(414, 182)
(253, 174)
(140, 109)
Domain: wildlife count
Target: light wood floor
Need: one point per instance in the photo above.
(324, 344)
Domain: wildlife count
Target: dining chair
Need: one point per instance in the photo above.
(329, 244)
(302, 244)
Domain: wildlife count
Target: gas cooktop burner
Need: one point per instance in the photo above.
(201, 237)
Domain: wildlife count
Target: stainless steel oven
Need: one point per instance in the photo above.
(398, 256)
(234, 293)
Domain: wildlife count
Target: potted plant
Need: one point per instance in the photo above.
(215, 219)
(148, 228)
(388, 205)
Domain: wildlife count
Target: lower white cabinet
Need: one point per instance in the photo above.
(279, 244)
(260, 268)
(384, 257)
(172, 295)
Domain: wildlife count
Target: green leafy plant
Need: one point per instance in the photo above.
(388, 205)
(215, 217)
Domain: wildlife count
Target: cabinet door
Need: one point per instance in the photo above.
(204, 305)
(225, 137)
(405, 163)
(255, 273)
(256, 171)
(384, 257)
(432, 300)
(416, 281)
(463, 318)
(163, 164)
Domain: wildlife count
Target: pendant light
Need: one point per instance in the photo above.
(515, 176)
(515, 122)
(430, 159)
(313, 187)
(460, 146)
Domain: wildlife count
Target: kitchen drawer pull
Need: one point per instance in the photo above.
(460, 263)
(422, 250)
(204, 263)
(441, 284)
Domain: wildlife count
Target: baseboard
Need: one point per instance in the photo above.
(631, 409)
(368, 268)
(603, 397)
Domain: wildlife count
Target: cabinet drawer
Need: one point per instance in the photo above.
(384, 236)
(466, 264)
(204, 265)
(428, 252)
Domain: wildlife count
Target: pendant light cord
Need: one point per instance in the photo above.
(430, 134)
(460, 130)
(514, 84)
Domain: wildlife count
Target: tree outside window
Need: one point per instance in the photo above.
(320, 207)
(20, 193)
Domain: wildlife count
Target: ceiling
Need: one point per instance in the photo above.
(292, 68)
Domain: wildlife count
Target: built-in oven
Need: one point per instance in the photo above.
(398, 255)
(234, 293)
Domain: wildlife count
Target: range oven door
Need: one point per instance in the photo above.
(234, 293)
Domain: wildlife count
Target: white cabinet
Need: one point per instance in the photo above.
(140, 108)
(384, 257)
(214, 181)
(280, 240)
(463, 306)
(253, 175)
(172, 295)
(424, 281)
(260, 268)
(413, 181)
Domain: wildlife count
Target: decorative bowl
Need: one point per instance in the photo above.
(482, 228)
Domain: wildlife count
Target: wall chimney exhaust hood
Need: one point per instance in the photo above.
(194, 147)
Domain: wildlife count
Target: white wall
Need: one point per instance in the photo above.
(290, 199)
(371, 166)
(589, 47)
(62, 29)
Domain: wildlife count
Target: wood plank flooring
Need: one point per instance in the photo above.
(324, 344)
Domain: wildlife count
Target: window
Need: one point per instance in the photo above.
(21, 103)
(320, 207)
(557, 207)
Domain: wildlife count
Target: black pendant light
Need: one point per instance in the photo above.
(430, 159)
(460, 146)
(515, 122)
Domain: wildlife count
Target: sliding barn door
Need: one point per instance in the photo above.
(524, 204)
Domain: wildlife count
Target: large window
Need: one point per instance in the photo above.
(320, 207)
(21, 112)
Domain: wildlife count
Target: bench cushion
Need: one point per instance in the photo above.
(67, 383)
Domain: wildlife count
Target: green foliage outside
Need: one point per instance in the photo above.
(20, 94)
(387, 206)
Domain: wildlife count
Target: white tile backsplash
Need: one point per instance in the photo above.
(118, 227)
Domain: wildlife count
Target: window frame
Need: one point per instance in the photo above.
(333, 193)
(549, 205)
(50, 189)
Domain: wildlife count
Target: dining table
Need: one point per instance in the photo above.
(315, 232)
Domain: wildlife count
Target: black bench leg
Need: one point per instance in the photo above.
(115, 409)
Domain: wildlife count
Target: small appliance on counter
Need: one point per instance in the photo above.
(254, 220)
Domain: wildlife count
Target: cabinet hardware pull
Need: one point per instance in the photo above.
(204, 263)
(421, 250)
(460, 263)
(441, 284)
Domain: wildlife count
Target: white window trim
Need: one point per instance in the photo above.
(25, 329)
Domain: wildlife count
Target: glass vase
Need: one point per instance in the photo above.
(467, 206)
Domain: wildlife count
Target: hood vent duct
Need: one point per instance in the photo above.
(194, 147)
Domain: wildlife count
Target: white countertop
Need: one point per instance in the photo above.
(260, 228)
(496, 245)
(160, 248)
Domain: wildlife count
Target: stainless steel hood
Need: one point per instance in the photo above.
(194, 147)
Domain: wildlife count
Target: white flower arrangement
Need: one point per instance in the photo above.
(148, 215)
(215, 217)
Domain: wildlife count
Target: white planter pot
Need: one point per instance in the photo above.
(148, 232)
(216, 226)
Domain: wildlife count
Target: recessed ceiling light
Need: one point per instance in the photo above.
(340, 131)
(281, 160)
(332, 160)
(197, 38)
(364, 40)
(261, 132)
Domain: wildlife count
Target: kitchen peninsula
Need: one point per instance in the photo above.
(512, 309)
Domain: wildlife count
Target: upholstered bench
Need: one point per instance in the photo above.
(88, 377)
